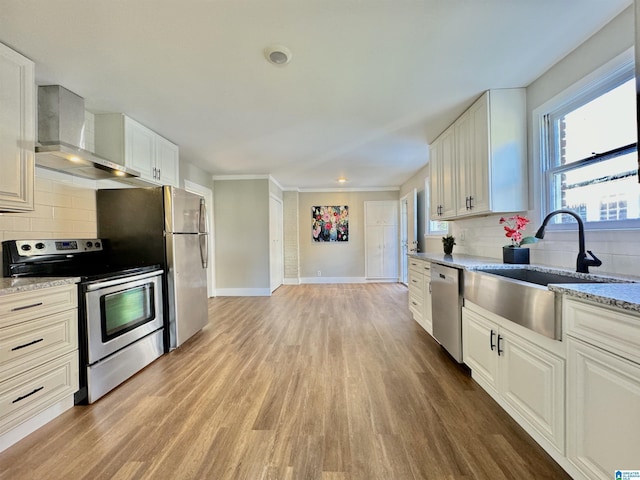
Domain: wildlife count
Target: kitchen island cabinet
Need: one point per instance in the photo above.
(38, 357)
(133, 145)
(17, 131)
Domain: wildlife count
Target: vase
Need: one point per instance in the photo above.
(519, 255)
(448, 249)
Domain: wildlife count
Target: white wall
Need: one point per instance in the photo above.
(241, 215)
(337, 262)
(618, 250)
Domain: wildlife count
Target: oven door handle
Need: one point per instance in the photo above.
(118, 281)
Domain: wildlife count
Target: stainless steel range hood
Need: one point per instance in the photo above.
(61, 138)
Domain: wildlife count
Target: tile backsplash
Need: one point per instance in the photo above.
(483, 236)
(64, 207)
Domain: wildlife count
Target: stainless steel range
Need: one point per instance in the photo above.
(120, 311)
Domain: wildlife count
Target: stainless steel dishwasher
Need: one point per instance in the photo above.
(446, 305)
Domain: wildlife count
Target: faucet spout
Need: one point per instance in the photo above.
(582, 263)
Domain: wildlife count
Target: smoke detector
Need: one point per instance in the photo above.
(277, 55)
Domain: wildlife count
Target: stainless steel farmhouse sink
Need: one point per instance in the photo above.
(542, 278)
(521, 295)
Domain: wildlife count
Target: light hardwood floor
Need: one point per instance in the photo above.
(326, 382)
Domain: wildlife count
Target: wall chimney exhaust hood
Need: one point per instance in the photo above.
(61, 138)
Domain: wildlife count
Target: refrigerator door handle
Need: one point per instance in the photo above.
(203, 219)
(204, 250)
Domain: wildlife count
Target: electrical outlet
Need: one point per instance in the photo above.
(319, 273)
(463, 235)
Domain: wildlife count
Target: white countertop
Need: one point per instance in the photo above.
(623, 293)
(14, 285)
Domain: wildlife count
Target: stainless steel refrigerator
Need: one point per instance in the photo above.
(165, 226)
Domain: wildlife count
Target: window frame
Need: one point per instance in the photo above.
(612, 74)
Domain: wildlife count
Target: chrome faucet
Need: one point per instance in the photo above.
(583, 263)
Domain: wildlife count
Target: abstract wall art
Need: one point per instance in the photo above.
(330, 224)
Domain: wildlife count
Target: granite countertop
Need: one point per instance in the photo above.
(465, 262)
(15, 285)
(621, 291)
(621, 295)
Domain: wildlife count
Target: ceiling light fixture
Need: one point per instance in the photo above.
(277, 55)
(342, 180)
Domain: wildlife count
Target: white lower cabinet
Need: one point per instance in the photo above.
(38, 358)
(603, 389)
(522, 376)
(420, 293)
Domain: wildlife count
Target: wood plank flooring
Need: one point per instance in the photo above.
(317, 382)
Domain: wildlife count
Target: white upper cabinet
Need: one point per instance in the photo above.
(17, 131)
(479, 164)
(442, 203)
(125, 141)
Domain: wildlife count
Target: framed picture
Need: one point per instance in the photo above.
(330, 224)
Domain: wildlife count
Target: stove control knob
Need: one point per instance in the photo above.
(39, 245)
(97, 244)
(26, 248)
(89, 244)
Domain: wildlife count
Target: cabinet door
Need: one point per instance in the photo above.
(381, 213)
(17, 131)
(435, 179)
(374, 251)
(477, 167)
(390, 251)
(140, 149)
(442, 176)
(532, 382)
(464, 160)
(167, 157)
(479, 340)
(426, 299)
(448, 169)
(603, 411)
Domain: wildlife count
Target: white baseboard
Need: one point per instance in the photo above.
(243, 292)
(323, 280)
(291, 281)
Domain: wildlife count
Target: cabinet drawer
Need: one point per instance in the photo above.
(426, 269)
(26, 345)
(416, 265)
(416, 280)
(25, 395)
(415, 306)
(612, 330)
(22, 306)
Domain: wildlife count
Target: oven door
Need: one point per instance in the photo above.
(120, 311)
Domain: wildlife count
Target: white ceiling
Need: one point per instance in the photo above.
(370, 83)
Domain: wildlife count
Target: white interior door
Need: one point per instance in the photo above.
(404, 239)
(276, 255)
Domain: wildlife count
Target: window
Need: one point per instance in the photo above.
(591, 157)
(433, 227)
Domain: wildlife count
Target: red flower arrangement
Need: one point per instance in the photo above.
(513, 229)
